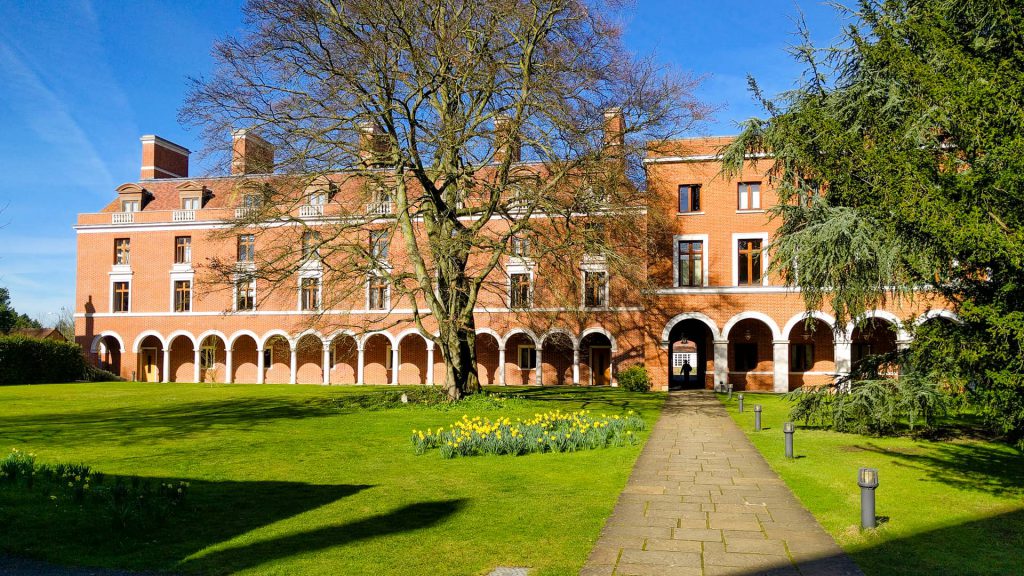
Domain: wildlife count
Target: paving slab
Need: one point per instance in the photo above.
(702, 501)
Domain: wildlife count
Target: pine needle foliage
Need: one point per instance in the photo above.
(899, 160)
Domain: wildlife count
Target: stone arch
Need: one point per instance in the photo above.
(492, 333)
(143, 335)
(752, 315)
(599, 330)
(803, 316)
(408, 331)
(901, 333)
(366, 337)
(938, 313)
(554, 331)
(94, 347)
(173, 335)
(234, 338)
(715, 333)
(524, 331)
(275, 332)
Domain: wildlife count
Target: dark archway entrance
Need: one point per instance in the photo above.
(689, 342)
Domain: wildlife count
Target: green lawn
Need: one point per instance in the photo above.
(284, 481)
(948, 507)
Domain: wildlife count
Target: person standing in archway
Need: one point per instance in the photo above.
(686, 371)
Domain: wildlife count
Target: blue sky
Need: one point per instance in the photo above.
(81, 80)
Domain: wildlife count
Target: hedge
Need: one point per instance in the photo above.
(33, 361)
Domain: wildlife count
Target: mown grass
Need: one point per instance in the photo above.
(306, 480)
(951, 507)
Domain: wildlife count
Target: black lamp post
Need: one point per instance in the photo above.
(740, 396)
(757, 417)
(788, 430)
(867, 479)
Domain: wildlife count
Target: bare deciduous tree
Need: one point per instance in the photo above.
(450, 127)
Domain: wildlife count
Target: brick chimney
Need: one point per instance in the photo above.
(162, 159)
(250, 154)
(507, 143)
(614, 128)
(372, 144)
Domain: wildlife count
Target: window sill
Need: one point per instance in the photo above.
(755, 211)
(700, 213)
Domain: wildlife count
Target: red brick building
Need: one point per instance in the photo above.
(145, 310)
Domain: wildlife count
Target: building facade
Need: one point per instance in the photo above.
(714, 316)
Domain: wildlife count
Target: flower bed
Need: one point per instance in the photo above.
(555, 431)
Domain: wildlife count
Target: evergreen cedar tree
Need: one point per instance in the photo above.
(900, 163)
(433, 106)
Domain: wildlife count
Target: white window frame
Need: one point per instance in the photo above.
(186, 203)
(181, 276)
(736, 237)
(518, 268)
(203, 350)
(705, 256)
(234, 294)
(136, 205)
(519, 355)
(387, 294)
(592, 264)
(760, 198)
(120, 276)
(319, 291)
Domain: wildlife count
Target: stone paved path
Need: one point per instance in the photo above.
(703, 502)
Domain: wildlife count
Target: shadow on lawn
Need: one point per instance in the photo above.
(135, 424)
(983, 547)
(586, 397)
(407, 518)
(972, 466)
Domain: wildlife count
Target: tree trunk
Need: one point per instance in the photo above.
(459, 349)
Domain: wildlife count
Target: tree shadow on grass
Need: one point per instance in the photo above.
(586, 397)
(980, 547)
(404, 519)
(213, 512)
(143, 423)
(971, 466)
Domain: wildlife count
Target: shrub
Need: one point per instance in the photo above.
(130, 503)
(555, 431)
(34, 361)
(635, 379)
(876, 406)
(94, 374)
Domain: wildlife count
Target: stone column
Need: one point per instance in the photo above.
(395, 365)
(843, 356)
(902, 345)
(167, 365)
(611, 370)
(501, 365)
(539, 375)
(325, 362)
(229, 364)
(430, 363)
(293, 361)
(195, 364)
(260, 365)
(780, 359)
(576, 367)
(360, 364)
(721, 365)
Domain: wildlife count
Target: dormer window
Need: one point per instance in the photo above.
(191, 195)
(318, 199)
(131, 205)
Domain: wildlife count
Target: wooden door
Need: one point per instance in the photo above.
(601, 366)
(150, 370)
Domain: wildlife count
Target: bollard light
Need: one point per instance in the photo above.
(740, 396)
(867, 479)
(788, 430)
(730, 390)
(757, 417)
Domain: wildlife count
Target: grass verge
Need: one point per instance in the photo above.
(306, 480)
(945, 507)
